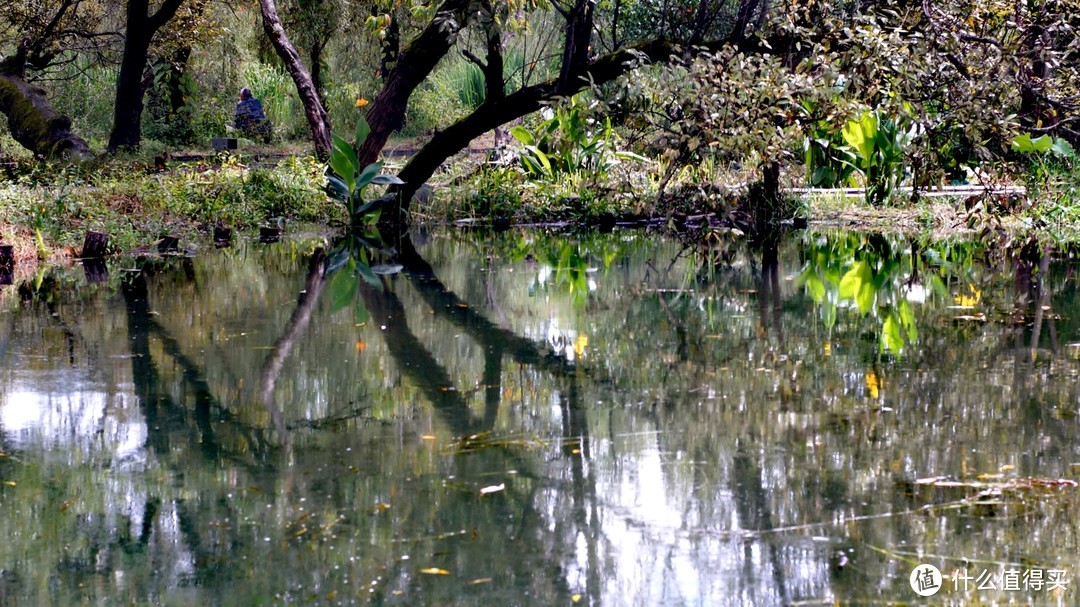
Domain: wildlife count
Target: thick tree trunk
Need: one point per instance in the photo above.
(140, 29)
(127, 119)
(34, 124)
(317, 118)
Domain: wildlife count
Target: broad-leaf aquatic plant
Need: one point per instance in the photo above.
(569, 141)
(346, 180)
(877, 142)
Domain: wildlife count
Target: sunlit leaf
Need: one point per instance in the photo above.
(828, 315)
(857, 285)
(891, 339)
(435, 571)
(522, 135)
(815, 287)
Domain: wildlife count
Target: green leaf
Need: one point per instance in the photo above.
(906, 316)
(362, 315)
(828, 315)
(370, 277)
(341, 146)
(540, 158)
(343, 162)
(523, 135)
(1024, 144)
(861, 135)
(625, 155)
(342, 290)
(1063, 148)
(363, 129)
(857, 285)
(337, 188)
(373, 204)
(891, 339)
(387, 180)
(815, 287)
(368, 174)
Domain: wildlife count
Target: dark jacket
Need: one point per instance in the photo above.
(249, 115)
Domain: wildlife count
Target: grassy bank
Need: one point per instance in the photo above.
(45, 210)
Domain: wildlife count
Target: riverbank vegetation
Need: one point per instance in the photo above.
(691, 111)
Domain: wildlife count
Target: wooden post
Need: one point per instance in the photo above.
(269, 234)
(222, 236)
(96, 271)
(95, 245)
(7, 264)
(168, 244)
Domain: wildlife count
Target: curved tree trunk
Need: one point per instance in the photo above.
(413, 66)
(34, 124)
(500, 110)
(318, 119)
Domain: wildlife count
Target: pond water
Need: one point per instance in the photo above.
(534, 419)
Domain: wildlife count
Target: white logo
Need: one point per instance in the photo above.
(926, 580)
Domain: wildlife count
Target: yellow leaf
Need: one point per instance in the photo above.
(580, 344)
(969, 299)
(873, 384)
(435, 571)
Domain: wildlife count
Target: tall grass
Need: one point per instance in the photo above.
(275, 88)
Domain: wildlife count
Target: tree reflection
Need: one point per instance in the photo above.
(717, 442)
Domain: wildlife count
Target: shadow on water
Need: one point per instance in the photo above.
(646, 423)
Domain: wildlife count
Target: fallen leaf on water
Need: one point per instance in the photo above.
(1012, 484)
(493, 489)
(435, 571)
(576, 598)
(483, 580)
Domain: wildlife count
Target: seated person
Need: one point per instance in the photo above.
(250, 118)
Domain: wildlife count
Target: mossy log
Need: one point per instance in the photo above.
(34, 124)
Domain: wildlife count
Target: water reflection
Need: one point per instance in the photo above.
(532, 419)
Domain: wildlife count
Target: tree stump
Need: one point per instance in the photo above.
(95, 245)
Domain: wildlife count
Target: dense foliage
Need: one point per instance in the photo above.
(872, 94)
